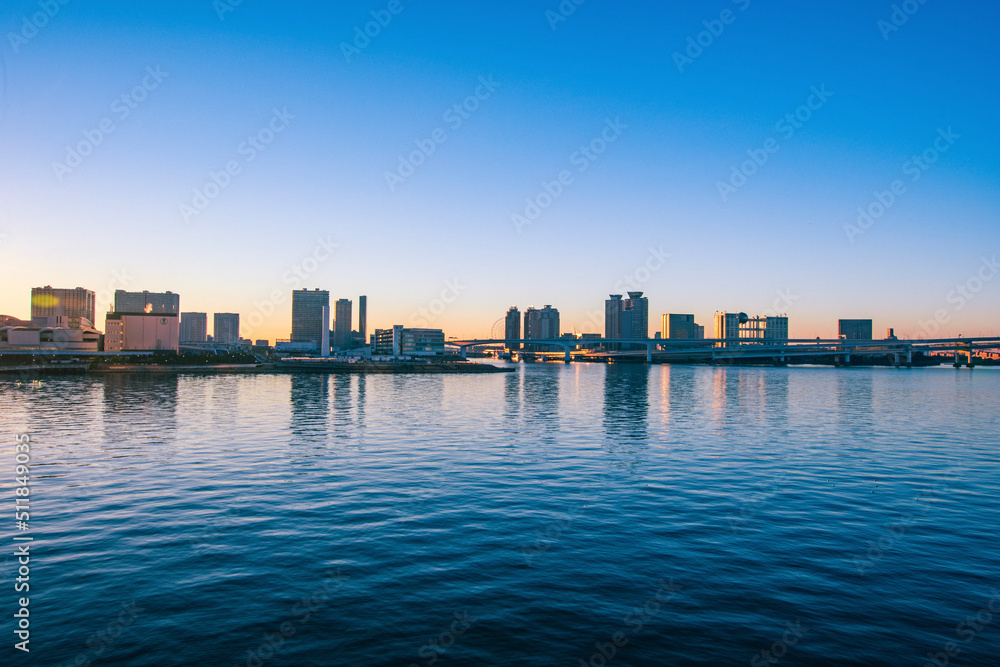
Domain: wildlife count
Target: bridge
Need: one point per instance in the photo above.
(838, 350)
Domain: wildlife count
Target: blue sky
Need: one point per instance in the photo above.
(782, 240)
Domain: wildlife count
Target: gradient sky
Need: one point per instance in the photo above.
(116, 217)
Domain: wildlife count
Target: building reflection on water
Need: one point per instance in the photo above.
(626, 411)
(310, 409)
(540, 392)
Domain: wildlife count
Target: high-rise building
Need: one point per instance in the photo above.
(854, 329)
(194, 327)
(638, 305)
(673, 325)
(51, 301)
(307, 316)
(613, 309)
(539, 324)
(512, 327)
(147, 302)
(363, 317)
(342, 324)
(226, 329)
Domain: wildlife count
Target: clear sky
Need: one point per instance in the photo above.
(659, 198)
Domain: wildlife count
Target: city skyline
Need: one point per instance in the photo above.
(805, 174)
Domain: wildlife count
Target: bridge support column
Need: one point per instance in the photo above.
(971, 365)
(909, 357)
(895, 359)
(649, 353)
(462, 351)
(566, 357)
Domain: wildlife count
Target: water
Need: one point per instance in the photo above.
(692, 514)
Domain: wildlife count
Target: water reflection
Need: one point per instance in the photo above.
(139, 419)
(855, 389)
(541, 401)
(310, 407)
(626, 406)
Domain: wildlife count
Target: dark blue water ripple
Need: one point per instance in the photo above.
(697, 515)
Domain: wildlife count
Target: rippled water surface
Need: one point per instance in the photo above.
(663, 515)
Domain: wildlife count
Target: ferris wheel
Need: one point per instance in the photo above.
(499, 329)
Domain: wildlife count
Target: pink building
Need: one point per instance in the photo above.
(141, 332)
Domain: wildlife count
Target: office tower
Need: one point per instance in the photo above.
(342, 324)
(147, 302)
(854, 329)
(674, 326)
(194, 327)
(512, 327)
(363, 317)
(51, 301)
(539, 324)
(227, 328)
(324, 343)
(613, 309)
(638, 306)
(307, 316)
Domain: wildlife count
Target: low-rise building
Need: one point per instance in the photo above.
(140, 332)
(402, 342)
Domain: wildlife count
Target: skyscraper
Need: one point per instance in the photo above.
(512, 327)
(194, 327)
(613, 309)
(639, 306)
(307, 316)
(363, 317)
(226, 329)
(539, 324)
(51, 301)
(342, 324)
(147, 302)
